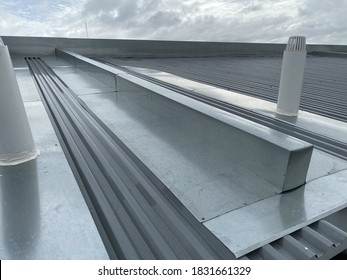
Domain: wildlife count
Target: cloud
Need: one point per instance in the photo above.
(120, 10)
(215, 20)
(324, 21)
(39, 18)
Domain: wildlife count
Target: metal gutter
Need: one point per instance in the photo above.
(321, 142)
(136, 214)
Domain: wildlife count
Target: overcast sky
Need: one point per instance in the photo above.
(321, 21)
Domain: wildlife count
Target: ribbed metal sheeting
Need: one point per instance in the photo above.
(324, 89)
(321, 142)
(320, 240)
(137, 216)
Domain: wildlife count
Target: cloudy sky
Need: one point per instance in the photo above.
(321, 21)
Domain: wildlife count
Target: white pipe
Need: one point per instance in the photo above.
(16, 141)
(292, 76)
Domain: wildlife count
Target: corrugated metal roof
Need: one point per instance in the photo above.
(210, 101)
(324, 88)
(177, 89)
(322, 142)
(137, 216)
(320, 240)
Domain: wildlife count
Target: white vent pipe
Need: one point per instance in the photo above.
(16, 141)
(292, 76)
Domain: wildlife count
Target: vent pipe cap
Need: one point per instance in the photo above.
(296, 43)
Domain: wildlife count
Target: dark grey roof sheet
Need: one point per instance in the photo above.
(324, 89)
(322, 142)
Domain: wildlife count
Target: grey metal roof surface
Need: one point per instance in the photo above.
(151, 164)
(43, 214)
(324, 142)
(324, 88)
(108, 107)
(137, 216)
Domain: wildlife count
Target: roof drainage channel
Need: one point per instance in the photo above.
(137, 216)
(321, 142)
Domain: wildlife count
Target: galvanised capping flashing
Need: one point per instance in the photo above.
(137, 215)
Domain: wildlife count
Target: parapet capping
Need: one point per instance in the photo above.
(287, 158)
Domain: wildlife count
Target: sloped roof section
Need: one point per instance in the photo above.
(324, 88)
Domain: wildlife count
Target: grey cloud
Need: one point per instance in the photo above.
(150, 5)
(323, 21)
(182, 20)
(253, 7)
(164, 18)
(311, 7)
(92, 7)
(110, 11)
(214, 20)
(140, 18)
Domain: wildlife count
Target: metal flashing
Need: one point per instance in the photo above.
(137, 215)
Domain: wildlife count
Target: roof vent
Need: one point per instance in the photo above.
(296, 43)
(292, 76)
(17, 145)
